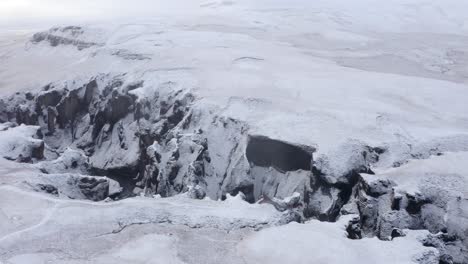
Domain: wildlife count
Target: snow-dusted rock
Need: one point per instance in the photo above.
(70, 35)
(21, 143)
(70, 161)
(75, 186)
(424, 194)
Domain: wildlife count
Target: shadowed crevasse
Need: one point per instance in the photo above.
(266, 152)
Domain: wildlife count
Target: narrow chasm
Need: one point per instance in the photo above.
(265, 152)
(278, 169)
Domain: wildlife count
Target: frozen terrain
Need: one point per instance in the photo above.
(236, 131)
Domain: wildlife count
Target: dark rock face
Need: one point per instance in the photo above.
(48, 98)
(354, 229)
(25, 115)
(384, 213)
(94, 189)
(68, 108)
(37, 152)
(375, 201)
(51, 119)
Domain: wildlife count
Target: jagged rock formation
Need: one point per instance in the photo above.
(385, 209)
(71, 35)
(157, 142)
(162, 144)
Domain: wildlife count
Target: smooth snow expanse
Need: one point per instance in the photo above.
(366, 70)
(323, 73)
(448, 173)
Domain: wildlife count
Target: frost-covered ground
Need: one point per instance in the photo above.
(36, 228)
(377, 90)
(145, 230)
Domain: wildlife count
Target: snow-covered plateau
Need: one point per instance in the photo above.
(242, 131)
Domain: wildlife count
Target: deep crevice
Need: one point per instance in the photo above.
(266, 152)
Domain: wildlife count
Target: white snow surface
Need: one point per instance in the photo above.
(448, 173)
(322, 73)
(36, 228)
(326, 243)
(328, 71)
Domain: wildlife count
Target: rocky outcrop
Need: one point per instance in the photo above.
(70, 161)
(94, 189)
(75, 186)
(160, 144)
(70, 35)
(385, 213)
(163, 144)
